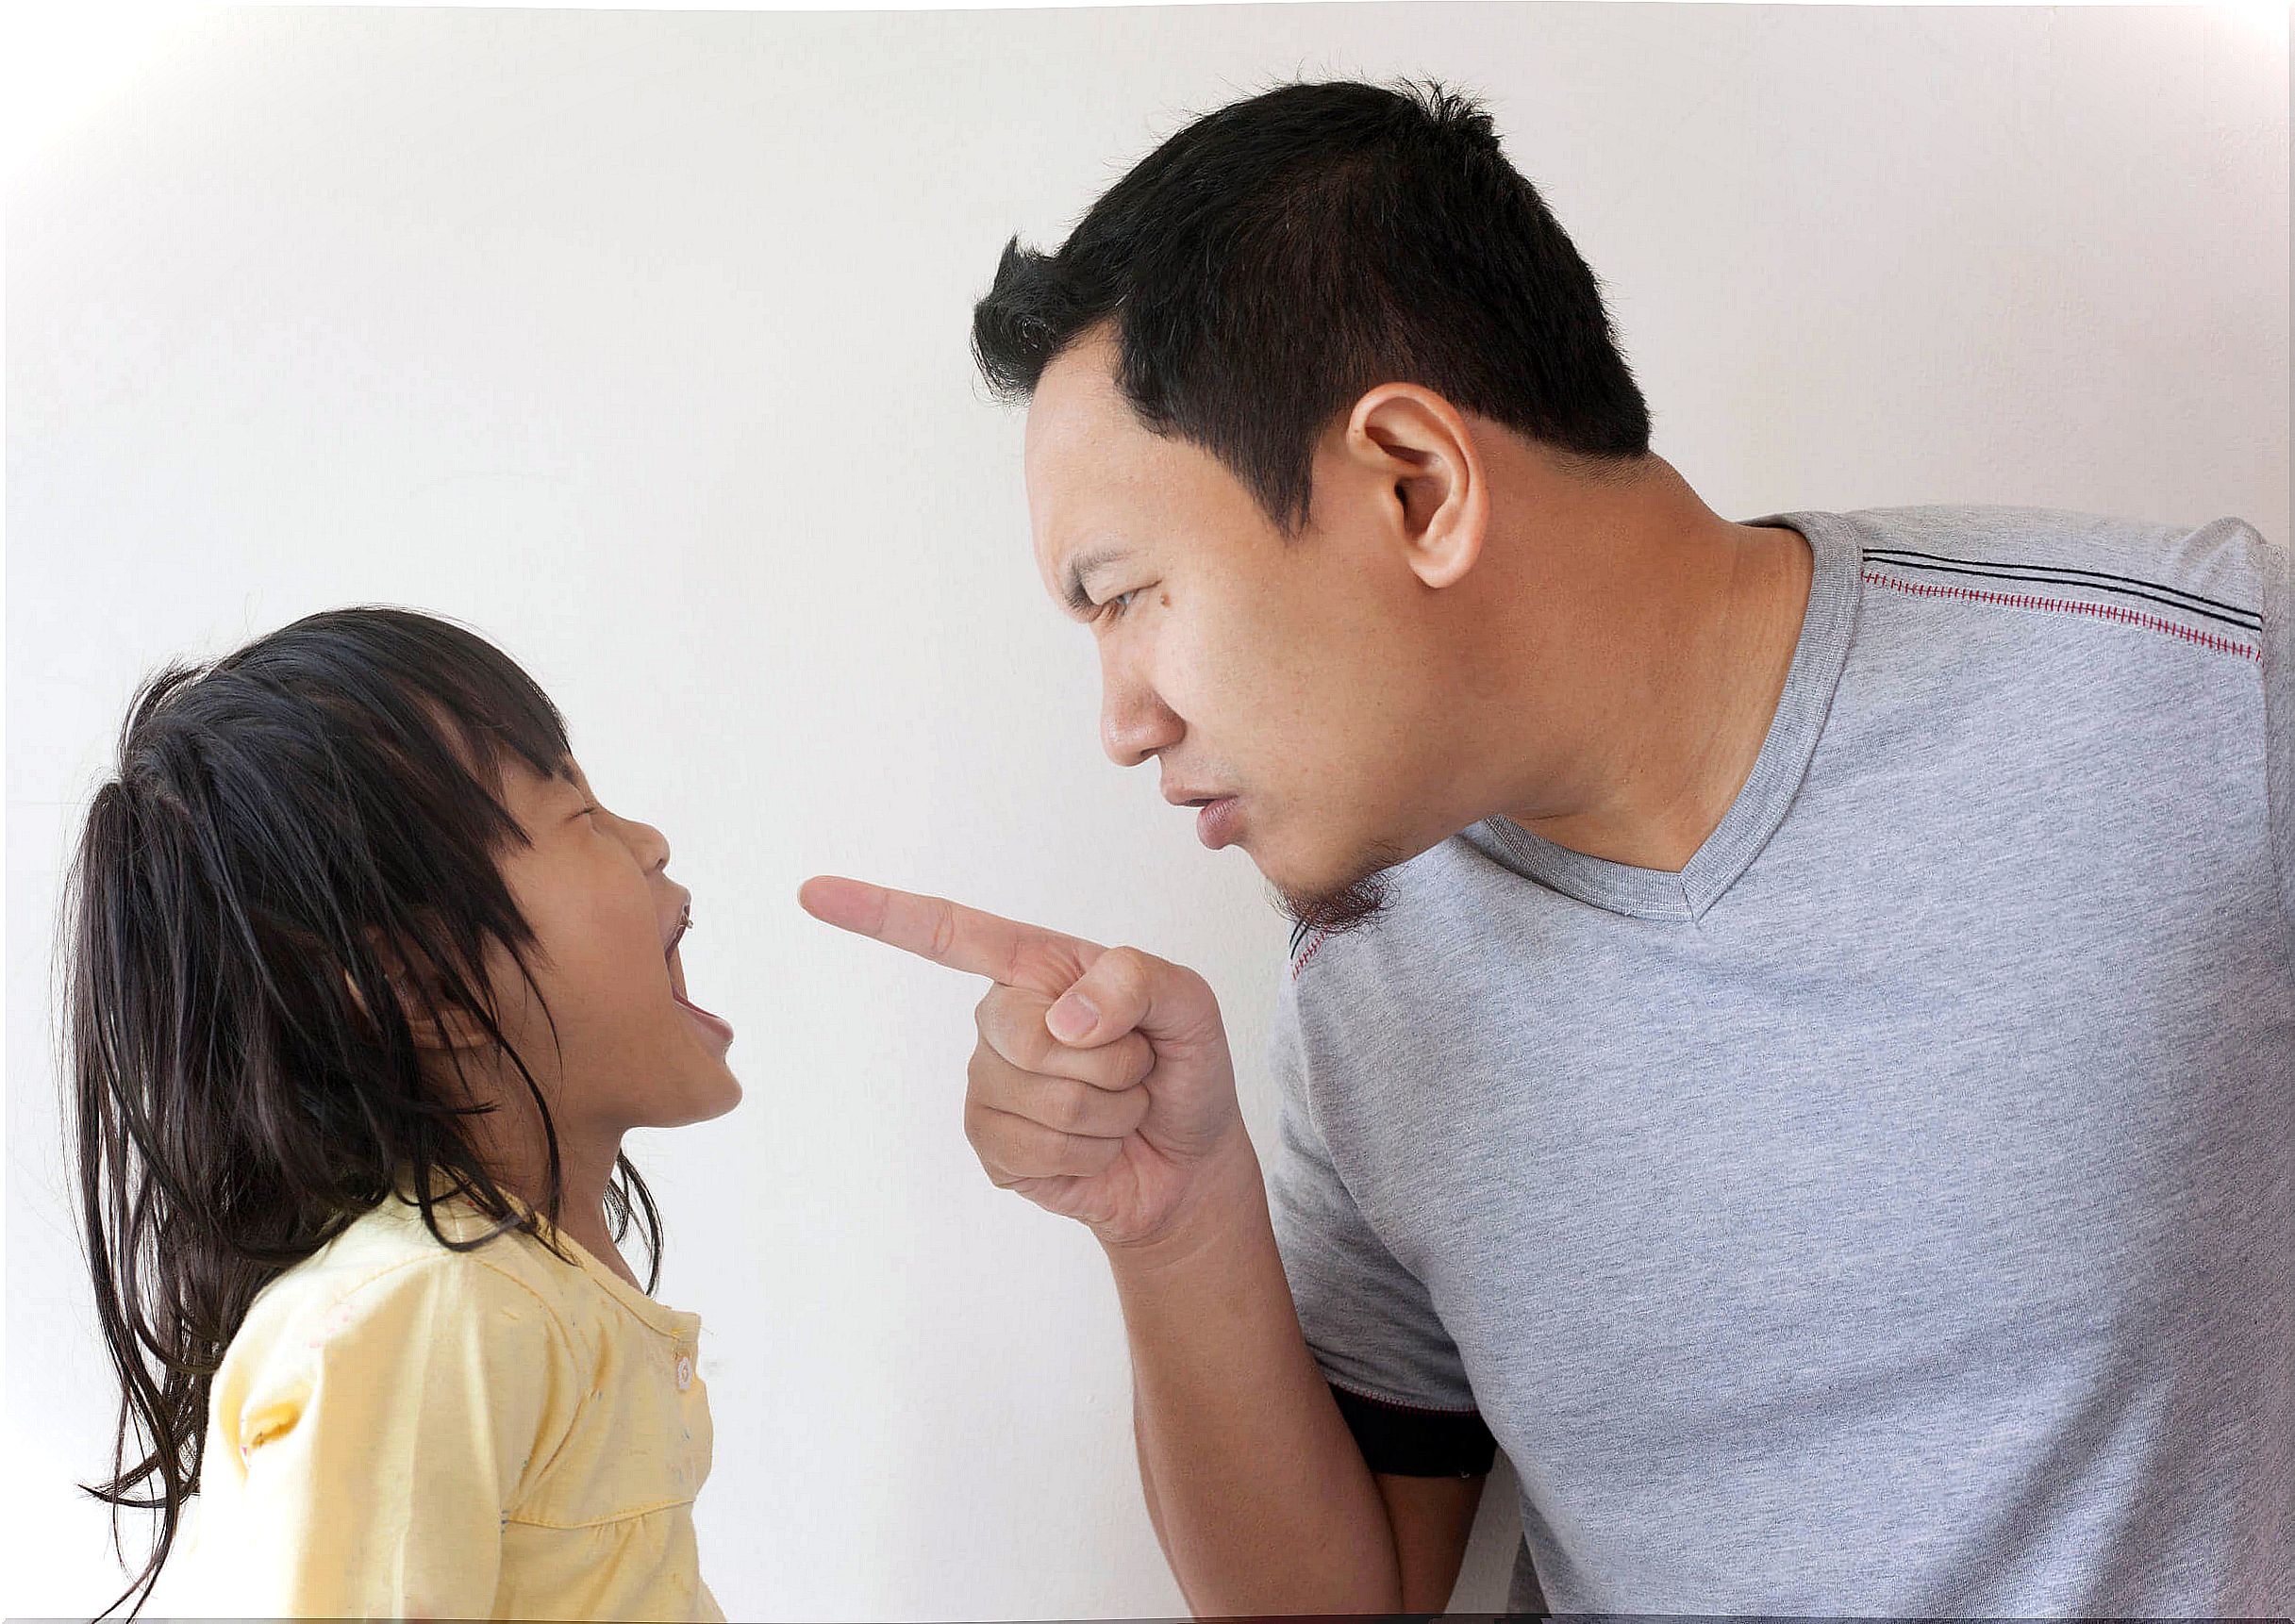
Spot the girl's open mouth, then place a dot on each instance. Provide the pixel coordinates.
(715, 1025)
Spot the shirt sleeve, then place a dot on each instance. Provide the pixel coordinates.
(380, 1440)
(1368, 1321)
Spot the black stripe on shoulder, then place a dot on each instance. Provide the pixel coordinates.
(2064, 576)
(1298, 938)
(1415, 1443)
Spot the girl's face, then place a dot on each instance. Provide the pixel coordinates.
(628, 1051)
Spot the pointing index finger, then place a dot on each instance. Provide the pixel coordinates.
(949, 933)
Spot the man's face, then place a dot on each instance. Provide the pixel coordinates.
(1303, 678)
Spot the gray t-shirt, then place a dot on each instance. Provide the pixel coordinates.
(1893, 1212)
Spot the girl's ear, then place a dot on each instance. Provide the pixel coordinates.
(436, 1020)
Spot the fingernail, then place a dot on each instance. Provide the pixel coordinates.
(1072, 1016)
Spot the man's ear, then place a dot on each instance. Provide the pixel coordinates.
(435, 1020)
(1424, 449)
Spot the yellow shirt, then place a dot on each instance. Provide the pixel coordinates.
(403, 1429)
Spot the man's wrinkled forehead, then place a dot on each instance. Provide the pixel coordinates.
(1082, 468)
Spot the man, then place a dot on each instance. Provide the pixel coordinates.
(1791, 1028)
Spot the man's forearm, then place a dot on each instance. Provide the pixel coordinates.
(1257, 1489)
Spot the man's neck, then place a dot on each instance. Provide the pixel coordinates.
(1685, 627)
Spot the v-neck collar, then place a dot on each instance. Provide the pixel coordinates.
(1826, 626)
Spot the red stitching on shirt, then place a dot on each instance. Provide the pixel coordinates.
(2102, 611)
(1301, 963)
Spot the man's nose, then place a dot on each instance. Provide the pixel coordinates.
(1134, 723)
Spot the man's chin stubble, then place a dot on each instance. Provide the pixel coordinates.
(1344, 908)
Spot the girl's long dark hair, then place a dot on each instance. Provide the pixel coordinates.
(285, 824)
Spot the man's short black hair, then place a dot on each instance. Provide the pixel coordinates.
(1273, 261)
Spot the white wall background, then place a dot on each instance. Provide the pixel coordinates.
(638, 341)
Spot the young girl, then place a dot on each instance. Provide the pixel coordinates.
(364, 986)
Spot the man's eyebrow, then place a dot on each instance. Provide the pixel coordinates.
(1083, 564)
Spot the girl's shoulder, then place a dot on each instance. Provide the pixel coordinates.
(389, 1264)
(455, 1263)
(387, 1351)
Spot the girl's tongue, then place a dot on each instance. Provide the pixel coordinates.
(715, 1023)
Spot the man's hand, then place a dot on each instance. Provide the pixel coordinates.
(1100, 1088)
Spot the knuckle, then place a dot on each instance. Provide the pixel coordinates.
(1066, 1107)
(1107, 1070)
(996, 1044)
(1034, 1047)
(1121, 974)
(994, 1085)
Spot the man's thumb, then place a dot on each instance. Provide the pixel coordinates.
(1124, 989)
(1073, 1018)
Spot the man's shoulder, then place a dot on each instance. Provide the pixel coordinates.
(2212, 574)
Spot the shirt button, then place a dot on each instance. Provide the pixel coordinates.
(685, 1371)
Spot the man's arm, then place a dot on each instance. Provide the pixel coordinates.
(1257, 1488)
(1433, 1519)
(1126, 1120)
